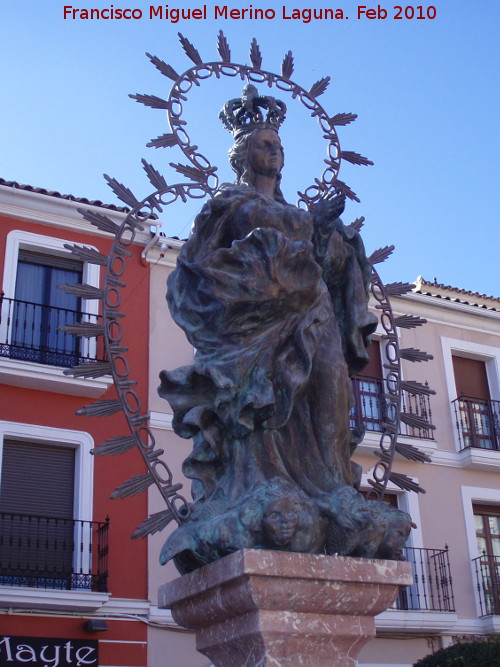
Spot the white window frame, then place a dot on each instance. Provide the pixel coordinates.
(475, 495)
(20, 239)
(408, 501)
(82, 442)
(372, 438)
(40, 599)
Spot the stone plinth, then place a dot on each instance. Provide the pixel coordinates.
(262, 608)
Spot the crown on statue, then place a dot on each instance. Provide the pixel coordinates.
(252, 111)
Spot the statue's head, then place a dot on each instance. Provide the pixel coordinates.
(255, 152)
(281, 521)
(280, 516)
(254, 120)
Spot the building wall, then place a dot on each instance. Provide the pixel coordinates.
(456, 476)
(443, 513)
(168, 349)
(39, 404)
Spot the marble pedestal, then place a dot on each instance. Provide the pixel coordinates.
(260, 608)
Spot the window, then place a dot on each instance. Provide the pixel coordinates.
(470, 377)
(47, 537)
(33, 308)
(368, 390)
(487, 522)
(36, 514)
(40, 308)
(369, 406)
(432, 588)
(476, 439)
(477, 416)
(481, 508)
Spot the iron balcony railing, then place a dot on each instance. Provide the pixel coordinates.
(487, 571)
(47, 552)
(369, 407)
(432, 588)
(478, 422)
(31, 332)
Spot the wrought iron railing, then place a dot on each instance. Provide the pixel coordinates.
(32, 332)
(487, 570)
(369, 407)
(432, 588)
(478, 422)
(47, 552)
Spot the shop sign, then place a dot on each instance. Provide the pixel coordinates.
(47, 652)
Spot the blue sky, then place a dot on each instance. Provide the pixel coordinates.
(425, 91)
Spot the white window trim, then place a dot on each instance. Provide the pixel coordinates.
(372, 438)
(81, 441)
(14, 597)
(470, 495)
(23, 373)
(408, 501)
(463, 348)
(18, 239)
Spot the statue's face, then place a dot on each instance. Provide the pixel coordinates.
(394, 541)
(266, 153)
(280, 522)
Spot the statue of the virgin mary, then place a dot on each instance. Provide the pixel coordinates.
(274, 300)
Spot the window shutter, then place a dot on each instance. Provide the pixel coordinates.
(374, 366)
(36, 515)
(37, 479)
(470, 377)
(488, 510)
(66, 261)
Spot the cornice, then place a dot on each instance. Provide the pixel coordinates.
(439, 303)
(33, 375)
(58, 212)
(24, 598)
(161, 420)
(164, 252)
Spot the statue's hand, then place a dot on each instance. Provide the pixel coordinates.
(329, 209)
(336, 205)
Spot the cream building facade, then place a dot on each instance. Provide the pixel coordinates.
(455, 549)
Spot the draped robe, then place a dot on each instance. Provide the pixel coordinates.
(274, 301)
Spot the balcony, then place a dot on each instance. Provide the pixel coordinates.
(51, 553)
(478, 423)
(428, 606)
(369, 407)
(30, 332)
(487, 572)
(432, 588)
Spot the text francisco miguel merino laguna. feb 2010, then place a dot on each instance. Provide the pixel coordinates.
(225, 12)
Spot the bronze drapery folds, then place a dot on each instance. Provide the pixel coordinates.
(274, 300)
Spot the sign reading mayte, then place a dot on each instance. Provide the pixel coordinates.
(47, 652)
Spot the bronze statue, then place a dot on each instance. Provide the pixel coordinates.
(274, 300)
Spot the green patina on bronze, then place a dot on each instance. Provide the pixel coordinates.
(274, 300)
